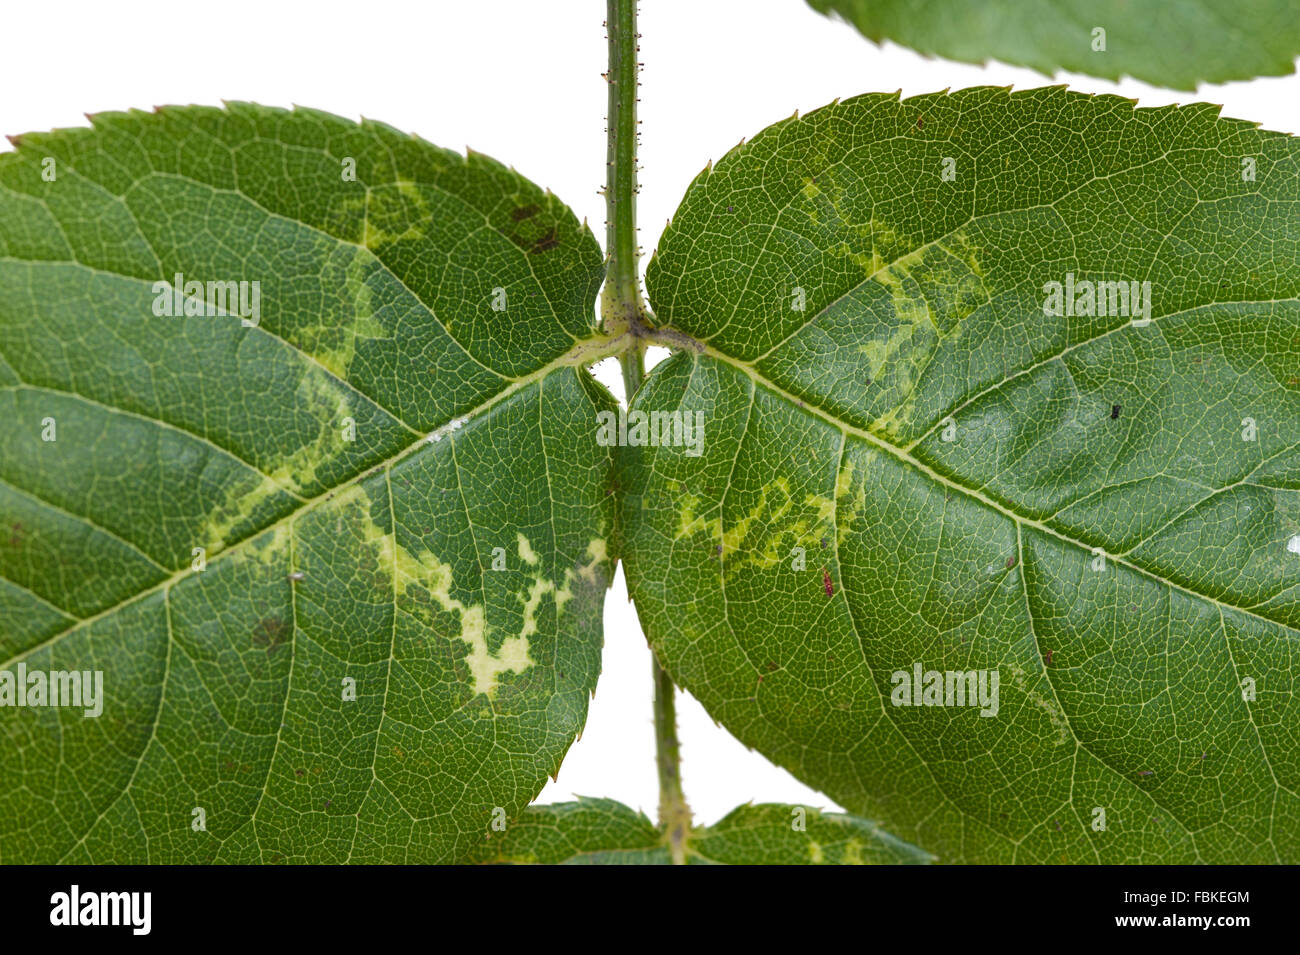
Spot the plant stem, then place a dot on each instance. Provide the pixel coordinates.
(624, 311)
(621, 304)
(674, 813)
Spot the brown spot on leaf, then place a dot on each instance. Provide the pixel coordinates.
(546, 242)
(270, 633)
(525, 212)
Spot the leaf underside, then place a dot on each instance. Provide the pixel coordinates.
(1074, 502)
(328, 560)
(605, 832)
(1174, 43)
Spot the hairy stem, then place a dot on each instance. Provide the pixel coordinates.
(621, 304)
(623, 313)
(674, 813)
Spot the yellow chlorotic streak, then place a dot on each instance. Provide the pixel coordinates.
(852, 853)
(394, 204)
(526, 552)
(333, 341)
(787, 523)
(414, 573)
(589, 573)
(327, 403)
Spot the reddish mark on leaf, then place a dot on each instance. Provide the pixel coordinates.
(1146, 772)
(1011, 561)
(1047, 658)
(826, 583)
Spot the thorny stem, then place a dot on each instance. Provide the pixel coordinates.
(623, 312)
(674, 814)
(621, 304)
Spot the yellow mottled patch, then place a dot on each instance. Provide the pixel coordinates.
(241, 501)
(815, 854)
(540, 588)
(844, 480)
(386, 208)
(788, 524)
(597, 554)
(526, 552)
(333, 342)
(326, 401)
(852, 853)
(269, 547)
(425, 571)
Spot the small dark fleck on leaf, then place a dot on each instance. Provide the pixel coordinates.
(1114, 412)
(546, 242)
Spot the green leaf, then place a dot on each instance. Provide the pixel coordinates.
(1105, 513)
(772, 834)
(605, 832)
(1176, 43)
(451, 559)
(586, 832)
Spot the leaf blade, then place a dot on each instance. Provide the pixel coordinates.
(825, 433)
(327, 558)
(1191, 46)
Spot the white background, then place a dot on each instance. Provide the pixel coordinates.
(520, 80)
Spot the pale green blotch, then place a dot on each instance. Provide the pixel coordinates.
(324, 400)
(327, 401)
(332, 341)
(270, 546)
(852, 853)
(425, 571)
(789, 524)
(241, 502)
(590, 573)
(949, 276)
(526, 552)
(383, 204)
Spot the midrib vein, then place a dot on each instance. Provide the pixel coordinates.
(906, 458)
(582, 353)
